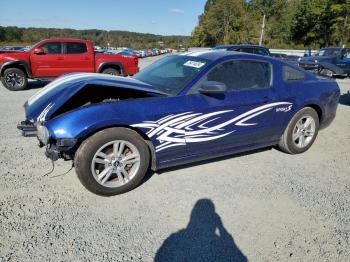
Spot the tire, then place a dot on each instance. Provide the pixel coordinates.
(97, 161)
(14, 79)
(111, 71)
(293, 144)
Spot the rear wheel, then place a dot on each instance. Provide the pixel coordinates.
(111, 71)
(14, 79)
(113, 161)
(301, 132)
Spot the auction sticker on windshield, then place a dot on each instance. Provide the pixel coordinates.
(194, 64)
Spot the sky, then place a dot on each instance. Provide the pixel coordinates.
(165, 17)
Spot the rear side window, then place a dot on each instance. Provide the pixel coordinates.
(291, 74)
(242, 74)
(246, 50)
(260, 51)
(76, 48)
(52, 48)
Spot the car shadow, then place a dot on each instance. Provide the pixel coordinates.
(36, 84)
(204, 239)
(151, 173)
(345, 99)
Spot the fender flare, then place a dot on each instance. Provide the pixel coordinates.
(16, 63)
(106, 64)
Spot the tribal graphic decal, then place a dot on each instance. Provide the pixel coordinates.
(190, 127)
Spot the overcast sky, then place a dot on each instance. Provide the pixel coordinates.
(147, 16)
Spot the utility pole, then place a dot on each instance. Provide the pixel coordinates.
(262, 31)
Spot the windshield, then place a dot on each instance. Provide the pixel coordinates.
(329, 52)
(171, 74)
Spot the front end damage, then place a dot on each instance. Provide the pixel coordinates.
(27, 128)
(73, 93)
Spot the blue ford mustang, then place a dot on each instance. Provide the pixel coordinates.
(180, 109)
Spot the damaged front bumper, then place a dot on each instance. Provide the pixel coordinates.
(62, 148)
(28, 129)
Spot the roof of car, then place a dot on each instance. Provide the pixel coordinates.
(217, 54)
(243, 46)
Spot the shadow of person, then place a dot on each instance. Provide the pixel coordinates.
(204, 239)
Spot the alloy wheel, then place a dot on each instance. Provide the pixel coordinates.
(115, 163)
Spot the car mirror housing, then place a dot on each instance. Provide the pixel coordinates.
(212, 88)
(39, 51)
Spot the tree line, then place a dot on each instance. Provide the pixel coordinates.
(289, 23)
(30, 36)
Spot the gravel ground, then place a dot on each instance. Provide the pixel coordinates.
(262, 206)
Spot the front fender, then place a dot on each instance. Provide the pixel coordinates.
(16, 63)
(87, 120)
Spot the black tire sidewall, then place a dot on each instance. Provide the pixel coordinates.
(89, 147)
(111, 71)
(19, 72)
(302, 113)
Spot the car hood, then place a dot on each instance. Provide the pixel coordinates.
(48, 100)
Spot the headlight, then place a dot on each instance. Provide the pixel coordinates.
(43, 134)
(316, 61)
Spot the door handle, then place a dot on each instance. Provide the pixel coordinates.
(59, 58)
(265, 99)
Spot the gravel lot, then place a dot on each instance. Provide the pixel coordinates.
(262, 206)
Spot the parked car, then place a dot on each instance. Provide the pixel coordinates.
(279, 56)
(11, 48)
(331, 61)
(180, 109)
(54, 57)
(252, 49)
(293, 59)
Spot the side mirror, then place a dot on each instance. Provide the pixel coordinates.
(212, 88)
(39, 51)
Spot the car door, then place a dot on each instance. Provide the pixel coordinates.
(343, 61)
(241, 117)
(77, 58)
(49, 64)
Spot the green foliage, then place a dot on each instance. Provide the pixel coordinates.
(289, 23)
(30, 36)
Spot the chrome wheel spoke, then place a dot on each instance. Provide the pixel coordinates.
(125, 174)
(307, 123)
(301, 141)
(118, 148)
(296, 135)
(105, 174)
(131, 159)
(101, 161)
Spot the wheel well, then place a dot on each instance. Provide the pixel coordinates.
(143, 135)
(116, 67)
(317, 109)
(18, 66)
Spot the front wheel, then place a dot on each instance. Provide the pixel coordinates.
(14, 79)
(112, 161)
(301, 132)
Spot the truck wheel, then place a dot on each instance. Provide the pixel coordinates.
(111, 71)
(112, 161)
(14, 79)
(301, 132)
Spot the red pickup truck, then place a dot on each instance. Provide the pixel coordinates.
(53, 57)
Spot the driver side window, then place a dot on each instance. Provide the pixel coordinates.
(52, 48)
(240, 75)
